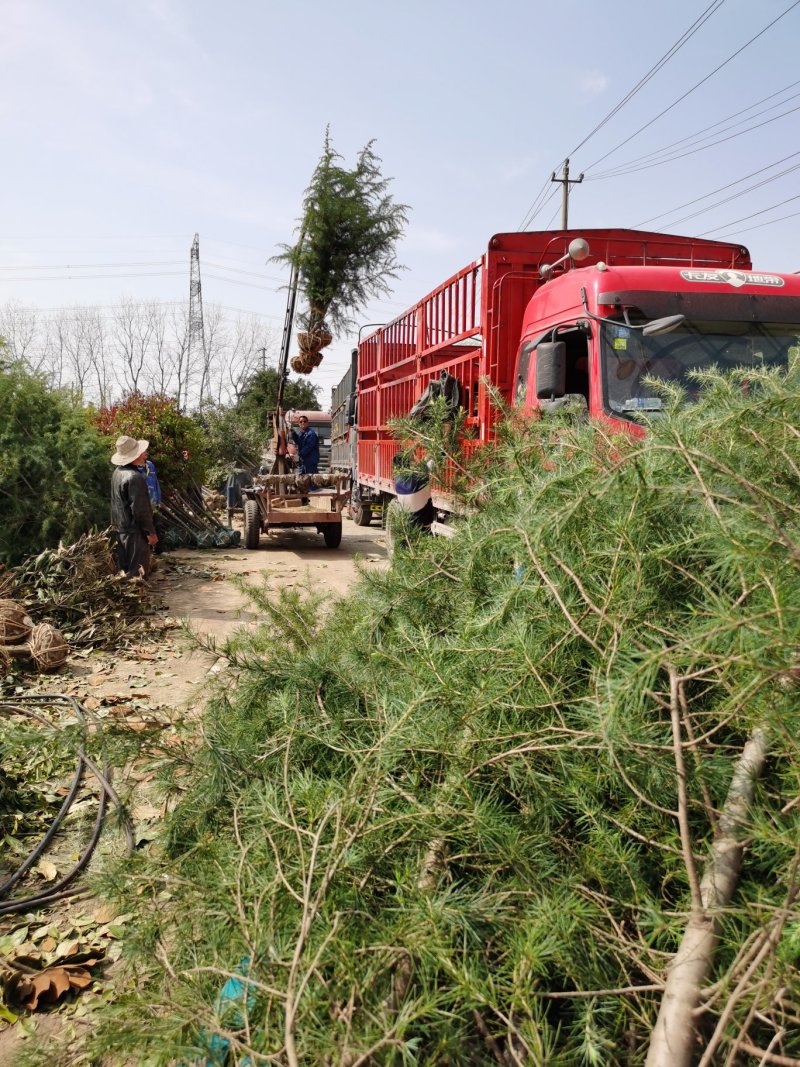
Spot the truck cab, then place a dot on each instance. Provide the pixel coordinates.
(607, 335)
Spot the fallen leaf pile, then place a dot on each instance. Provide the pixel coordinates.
(39, 968)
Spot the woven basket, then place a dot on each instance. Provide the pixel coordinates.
(15, 625)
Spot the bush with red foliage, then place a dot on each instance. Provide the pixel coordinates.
(177, 445)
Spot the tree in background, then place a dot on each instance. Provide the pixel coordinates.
(54, 467)
(177, 445)
(139, 347)
(233, 440)
(261, 397)
(346, 251)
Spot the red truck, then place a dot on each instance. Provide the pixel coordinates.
(556, 315)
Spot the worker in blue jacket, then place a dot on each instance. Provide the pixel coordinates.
(307, 444)
(153, 488)
(148, 470)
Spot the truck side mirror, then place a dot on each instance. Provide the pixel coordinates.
(351, 409)
(551, 370)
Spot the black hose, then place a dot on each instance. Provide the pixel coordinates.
(33, 856)
(107, 792)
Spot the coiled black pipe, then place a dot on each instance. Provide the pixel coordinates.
(107, 792)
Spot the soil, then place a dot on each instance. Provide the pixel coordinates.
(152, 685)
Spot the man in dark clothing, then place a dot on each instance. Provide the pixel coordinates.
(307, 444)
(131, 513)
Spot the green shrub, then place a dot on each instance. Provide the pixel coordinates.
(54, 468)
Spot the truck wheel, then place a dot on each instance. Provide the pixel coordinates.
(332, 532)
(252, 524)
(362, 515)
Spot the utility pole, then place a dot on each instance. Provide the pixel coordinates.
(196, 333)
(263, 352)
(565, 182)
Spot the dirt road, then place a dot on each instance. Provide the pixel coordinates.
(151, 687)
(196, 590)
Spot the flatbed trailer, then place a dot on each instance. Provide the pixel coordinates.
(293, 501)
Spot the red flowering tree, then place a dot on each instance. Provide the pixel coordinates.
(177, 446)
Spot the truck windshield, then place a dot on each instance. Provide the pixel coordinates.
(628, 357)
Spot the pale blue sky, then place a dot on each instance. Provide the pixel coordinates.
(128, 127)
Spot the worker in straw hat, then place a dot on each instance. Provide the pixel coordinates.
(131, 512)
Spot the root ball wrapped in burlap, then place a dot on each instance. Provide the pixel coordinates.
(313, 340)
(15, 624)
(47, 647)
(305, 362)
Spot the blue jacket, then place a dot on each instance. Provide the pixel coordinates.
(307, 444)
(150, 476)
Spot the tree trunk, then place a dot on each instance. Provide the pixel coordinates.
(674, 1038)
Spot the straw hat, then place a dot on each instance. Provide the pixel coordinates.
(128, 449)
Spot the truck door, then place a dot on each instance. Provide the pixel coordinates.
(576, 340)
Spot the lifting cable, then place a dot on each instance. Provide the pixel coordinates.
(107, 793)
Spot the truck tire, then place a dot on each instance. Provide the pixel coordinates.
(332, 532)
(362, 514)
(252, 524)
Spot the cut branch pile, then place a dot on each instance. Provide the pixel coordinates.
(75, 589)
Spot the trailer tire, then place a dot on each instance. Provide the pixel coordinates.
(332, 532)
(252, 524)
(362, 514)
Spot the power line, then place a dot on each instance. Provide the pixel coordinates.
(619, 172)
(97, 236)
(760, 225)
(93, 266)
(93, 277)
(682, 40)
(535, 207)
(754, 215)
(648, 156)
(142, 303)
(540, 200)
(543, 205)
(237, 281)
(696, 85)
(252, 273)
(719, 203)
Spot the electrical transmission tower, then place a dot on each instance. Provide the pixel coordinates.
(196, 339)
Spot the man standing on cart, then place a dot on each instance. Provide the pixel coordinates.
(307, 444)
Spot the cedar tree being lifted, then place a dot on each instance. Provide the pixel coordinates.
(345, 253)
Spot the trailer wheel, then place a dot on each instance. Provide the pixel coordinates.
(252, 524)
(362, 514)
(332, 532)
